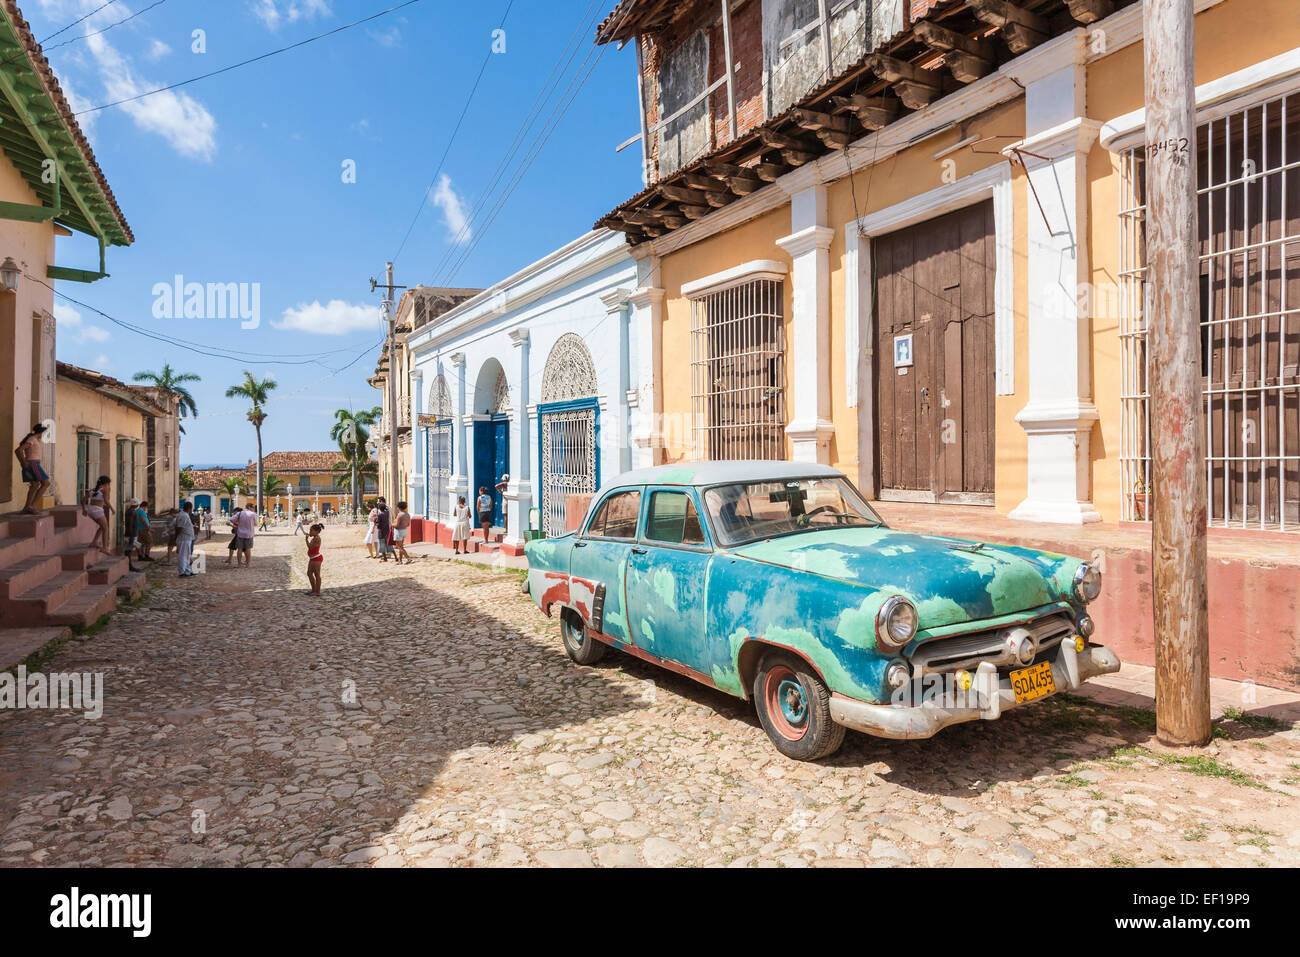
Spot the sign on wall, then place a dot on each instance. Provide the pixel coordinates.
(903, 353)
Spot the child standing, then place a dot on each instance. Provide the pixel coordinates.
(314, 558)
(460, 530)
(485, 511)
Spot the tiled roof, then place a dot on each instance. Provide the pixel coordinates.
(290, 462)
(115, 229)
(115, 389)
(212, 478)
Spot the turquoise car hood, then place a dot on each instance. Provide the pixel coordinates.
(949, 580)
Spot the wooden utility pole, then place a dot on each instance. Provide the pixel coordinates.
(1178, 547)
(390, 315)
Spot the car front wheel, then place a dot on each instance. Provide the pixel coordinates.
(794, 708)
(578, 641)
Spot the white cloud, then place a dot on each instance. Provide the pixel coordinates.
(70, 325)
(387, 38)
(446, 198)
(276, 13)
(335, 318)
(177, 117)
(101, 362)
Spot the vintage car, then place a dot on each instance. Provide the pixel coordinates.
(777, 582)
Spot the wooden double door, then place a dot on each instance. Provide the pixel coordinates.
(935, 359)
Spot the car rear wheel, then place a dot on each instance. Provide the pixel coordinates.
(794, 708)
(578, 642)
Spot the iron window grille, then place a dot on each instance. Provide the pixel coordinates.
(738, 371)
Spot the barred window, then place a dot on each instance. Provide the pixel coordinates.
(1248, 224)
(738, 371)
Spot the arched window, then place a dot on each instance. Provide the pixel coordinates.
(570, 372)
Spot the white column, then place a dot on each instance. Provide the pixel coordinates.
(416, 480)
(518, 496)
(808, 245)
(646, 317)
(615, 428)
(1059, 416)
(458, 483)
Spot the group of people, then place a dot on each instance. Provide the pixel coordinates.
(386, 533)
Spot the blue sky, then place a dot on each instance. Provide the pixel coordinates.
(240, 178)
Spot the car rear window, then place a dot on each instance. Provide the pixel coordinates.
(617, 516)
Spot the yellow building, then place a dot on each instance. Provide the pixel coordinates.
(917, 257)
(307, 482)
(108, 424)
(50, 185)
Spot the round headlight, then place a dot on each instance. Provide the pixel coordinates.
(1087, 583)
(897, 675)
(896, 623)
(1086, 626)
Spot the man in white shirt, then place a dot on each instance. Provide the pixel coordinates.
(245, 529)
(184, 526)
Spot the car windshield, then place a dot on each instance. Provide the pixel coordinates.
(748, 511)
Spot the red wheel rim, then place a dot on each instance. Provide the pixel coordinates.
(786, 703)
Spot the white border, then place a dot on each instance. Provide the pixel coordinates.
(735, 276)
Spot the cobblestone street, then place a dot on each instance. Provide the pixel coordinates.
(229, 737)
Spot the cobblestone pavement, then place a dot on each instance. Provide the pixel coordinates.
(229, 737)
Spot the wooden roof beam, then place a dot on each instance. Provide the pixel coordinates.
(966, 58)
(783, 141)
(1090, 11)
(916, 88)
(696, 197)
(1021, 29)
(873, 112)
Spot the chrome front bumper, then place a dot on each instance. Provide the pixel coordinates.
(1070, 669)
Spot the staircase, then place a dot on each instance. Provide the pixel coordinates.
(491, 546)
(50, 581)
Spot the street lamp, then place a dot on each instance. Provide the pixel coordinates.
(289, 488)
(9, 273)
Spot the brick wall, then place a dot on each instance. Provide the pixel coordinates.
(746, 51)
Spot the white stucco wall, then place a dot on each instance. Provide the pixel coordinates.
(581, 288)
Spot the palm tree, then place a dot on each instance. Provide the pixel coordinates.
(349, 431)
(255, 392)
(272, 485)
(170, 381)
(232, 487)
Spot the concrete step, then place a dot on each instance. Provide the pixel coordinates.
(107, 571)
(27, 573)
(19, 644)
(67, 516)
(40, 525)
(32, 605)
(80, 558)
(85, 607)
(132, 585)
(15, 548)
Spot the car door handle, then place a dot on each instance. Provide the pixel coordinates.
(636, 550)
(579, 544)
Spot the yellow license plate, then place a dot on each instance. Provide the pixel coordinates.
(1029, 684)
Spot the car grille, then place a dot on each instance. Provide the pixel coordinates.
(967, 651)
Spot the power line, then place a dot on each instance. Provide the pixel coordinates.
(83, 19)
(424, 197)
(551, 82)
(558, 111)
(214, 352)
(241, 63)
(116, 23)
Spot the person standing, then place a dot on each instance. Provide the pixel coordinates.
(130, 537)
(95, 506)
(143, 536)
(207, 523)
(245, 529)
(383, 527)
(315, 560)
(501, 487)
(29, 458)
(400, 527)
(233, 524)
(184, 526)
(372, 533)
(485, 511)
(460, 528)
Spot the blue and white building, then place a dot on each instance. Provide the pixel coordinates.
(534, 378)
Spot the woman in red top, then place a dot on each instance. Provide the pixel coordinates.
(314, 558)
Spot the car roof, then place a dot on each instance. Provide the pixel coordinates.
(713, 473)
